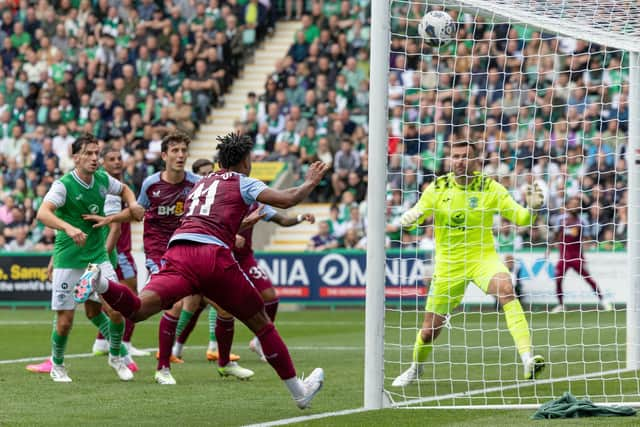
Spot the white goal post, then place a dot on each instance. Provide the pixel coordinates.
(613, 24)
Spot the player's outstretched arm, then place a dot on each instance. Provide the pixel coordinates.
(511, 210)
(135, 209)
(124, 215)
(290, 197)
(289, 221)
(421, 210)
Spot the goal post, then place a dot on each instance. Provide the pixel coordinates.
(633, 245)
(474, 363)
(374, 307)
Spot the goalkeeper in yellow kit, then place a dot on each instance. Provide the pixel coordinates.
(463, 204)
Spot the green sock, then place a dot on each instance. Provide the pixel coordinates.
(115, 332)
(212, 324)
(184, 318)
(58, 345)
(421, 350)
(102, 323)
(518, 326)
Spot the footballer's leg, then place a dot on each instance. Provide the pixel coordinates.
(431, 326)
(581, 269)
(263, 284)
(192, 306)
(561, 269)
(445, 294)
(236, 294)
(220, 329)
(163, 290)
(115, 325)
(62, 303)
(501, 287)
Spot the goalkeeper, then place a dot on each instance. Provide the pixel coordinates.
(463, 204)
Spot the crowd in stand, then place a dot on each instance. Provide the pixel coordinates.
(540, 108)
(128, 71)
(543, 108)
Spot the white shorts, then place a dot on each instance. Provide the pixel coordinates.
(65, 279)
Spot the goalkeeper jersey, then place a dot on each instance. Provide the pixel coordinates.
(463, 215)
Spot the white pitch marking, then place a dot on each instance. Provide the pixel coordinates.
(85, 355)
(304, 418)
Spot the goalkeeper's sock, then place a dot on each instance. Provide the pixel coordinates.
(58, 346)
(116, 330)
(518, 327)
(421, 350)
(185, 317)
(101, 321)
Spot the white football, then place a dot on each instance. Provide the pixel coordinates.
(437, 28)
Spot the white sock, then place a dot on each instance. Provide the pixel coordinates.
(525, 357)
(213, 345)
(295, 386)
(102, 285)
(177, 349)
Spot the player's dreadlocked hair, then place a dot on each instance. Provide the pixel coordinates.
(232, 148)
(82, 141)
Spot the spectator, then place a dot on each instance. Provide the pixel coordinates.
(20, 243)
(323, 240)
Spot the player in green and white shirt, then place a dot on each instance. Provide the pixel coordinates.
(80, 192)
(463, 204)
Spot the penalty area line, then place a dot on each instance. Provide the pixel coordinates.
(303, 418)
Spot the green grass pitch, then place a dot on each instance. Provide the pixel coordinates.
(331, 339)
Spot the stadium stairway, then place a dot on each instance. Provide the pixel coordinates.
(252, 78)
(222, 120)
(296, 238)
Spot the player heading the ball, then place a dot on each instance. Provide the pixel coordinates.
(200, 259)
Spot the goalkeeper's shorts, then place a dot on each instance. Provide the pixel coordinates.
(451, 279)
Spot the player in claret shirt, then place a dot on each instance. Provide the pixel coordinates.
(200, 258)
(569, 237)
(463, 204)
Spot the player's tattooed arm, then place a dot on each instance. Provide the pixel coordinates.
(289, 221)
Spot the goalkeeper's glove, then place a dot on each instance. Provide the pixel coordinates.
(534, 196)
(409, 218)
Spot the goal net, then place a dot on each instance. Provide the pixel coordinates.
(543, 90)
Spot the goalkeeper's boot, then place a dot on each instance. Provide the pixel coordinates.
(409, 376)
(533, 367)
(232, 369)
(312, 385)
(163, 377)
(87, 283)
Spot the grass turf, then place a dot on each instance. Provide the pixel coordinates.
(331, 339)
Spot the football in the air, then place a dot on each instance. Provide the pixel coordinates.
(437, 28)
